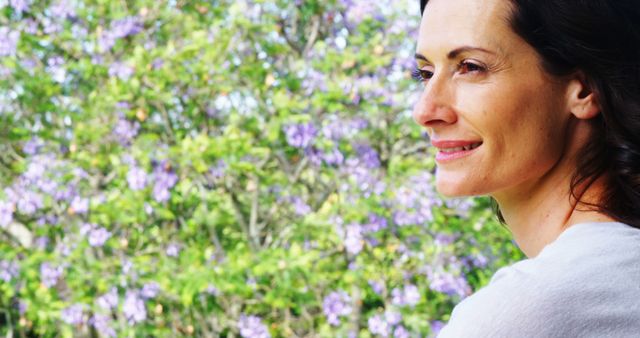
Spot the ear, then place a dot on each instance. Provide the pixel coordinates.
(583, 102)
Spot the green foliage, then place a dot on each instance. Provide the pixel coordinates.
(172, 168)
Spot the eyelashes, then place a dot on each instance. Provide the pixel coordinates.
(470, 67)
(464, 67)
(421, 75)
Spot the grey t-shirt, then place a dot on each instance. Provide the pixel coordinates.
(584, 284)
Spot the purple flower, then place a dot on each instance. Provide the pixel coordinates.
(365, 179)
(32, 146)
(60, 195)
(377, 287)
(134, 308)
(98, 236)
(148, 209)
(314, 155)
(62, 9)
(125, 27)
(97, 59)
(252, 327)
(479, 260)
(333, 157)
(414, 201)
(436, 327)
(29, 26)
(35, 171)
(300, 207)
(42, 242)
(5, 72)
(29, 202)
(49, 275)
(109, 300)
(449, 284)
(164, 180)
(106, 41)
(73, 314)
(336, 305)
(150, 290)
(376, 223)
(50, 26)
(9, 270)
(125, 131)
(157, 63)
(121, 70)
(393, 318)
(409, 295)
(22, 307)
(400, 332)
(79, 32)
(102, 324)
(378, 326)
(64, 249)
(404, 218)
(368, 156)
(339, 129)
(6, 213)
(300, 135)
(218, 170)
(119, 29)
(314, 81)
(212, 290)
(442, 239)
(137, 178)
(462, 206)
(173, 250)
(335, 130)
(80, 205)
(353, 239)
(20, 6)
(55, 68)
(86, 228)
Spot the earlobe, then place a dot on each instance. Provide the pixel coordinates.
(583, 101)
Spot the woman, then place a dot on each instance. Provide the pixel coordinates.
(537, 104)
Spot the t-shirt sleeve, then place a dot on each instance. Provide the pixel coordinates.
(512, 305)
(586, 284)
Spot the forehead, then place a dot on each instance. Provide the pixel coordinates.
(472, 22)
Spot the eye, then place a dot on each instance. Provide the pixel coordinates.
(421, 75)
(470, 67)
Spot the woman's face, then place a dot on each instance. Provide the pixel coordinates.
(498, 120)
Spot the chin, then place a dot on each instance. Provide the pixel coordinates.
(456, 187)
(448, 191)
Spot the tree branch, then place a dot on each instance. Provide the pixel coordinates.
(20, 234)
(253, 218)
(315, 28)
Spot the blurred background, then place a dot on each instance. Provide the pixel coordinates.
(228, 168)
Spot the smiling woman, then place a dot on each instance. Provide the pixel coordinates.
(536, 105)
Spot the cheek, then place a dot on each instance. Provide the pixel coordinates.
(532, 140)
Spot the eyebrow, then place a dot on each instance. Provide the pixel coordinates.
(454, 53)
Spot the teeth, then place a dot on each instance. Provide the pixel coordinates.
(451, 150)
(464, 148)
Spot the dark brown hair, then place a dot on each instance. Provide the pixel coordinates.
(601, 39)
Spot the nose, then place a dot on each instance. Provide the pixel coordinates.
(434, 108)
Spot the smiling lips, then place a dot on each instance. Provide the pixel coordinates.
(453, 150)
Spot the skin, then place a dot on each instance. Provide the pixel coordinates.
(484, 83)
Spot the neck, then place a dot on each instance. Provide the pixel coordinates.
(538, 212)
